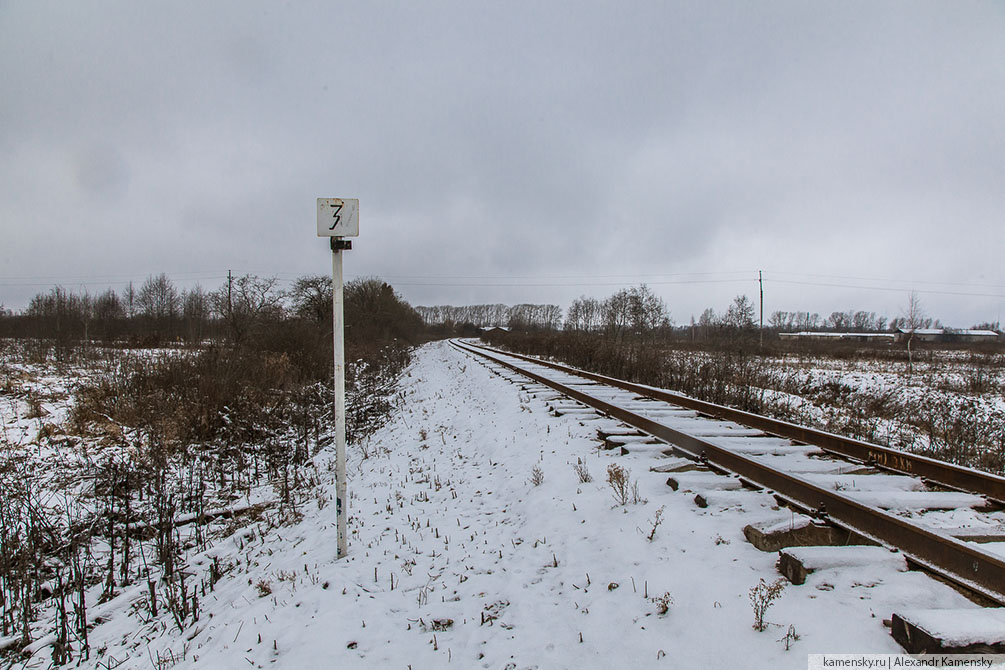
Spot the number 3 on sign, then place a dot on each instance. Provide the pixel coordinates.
(338, 217)
(335, 210)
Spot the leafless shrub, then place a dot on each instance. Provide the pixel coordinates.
(624, 490)
(761, 598)
(617, 479)
(584, 475)
(441, 624)
(663, 603)
(537, 475)
(790, 637)
(657, 520)
(979, 374)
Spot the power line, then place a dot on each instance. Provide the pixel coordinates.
(581, 276)
(897, 289)
(546, 281)
(910, 282)
(460, 281)
(566, 284)
(74, 278)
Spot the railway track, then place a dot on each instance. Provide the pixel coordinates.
(871, 494)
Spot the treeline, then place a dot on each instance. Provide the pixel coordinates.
(248, 336)
(157, 311)
(516, 316)
(637, 313)
(842, 322)
(244, 308)
(634, 311)
(638, 317)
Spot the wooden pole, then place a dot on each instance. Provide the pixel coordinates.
(760, 282)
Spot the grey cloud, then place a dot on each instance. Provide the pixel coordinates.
(518, 139)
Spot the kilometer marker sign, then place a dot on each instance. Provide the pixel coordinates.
(338, 217)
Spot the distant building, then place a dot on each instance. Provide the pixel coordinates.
(487, 330)
(940, 335)
(854, 337)
(948, 335)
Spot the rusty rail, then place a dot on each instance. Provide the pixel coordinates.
(954, 560)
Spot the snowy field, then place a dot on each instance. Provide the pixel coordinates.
(951, 406)
(458, 559)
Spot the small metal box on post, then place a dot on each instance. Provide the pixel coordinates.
(338, 218)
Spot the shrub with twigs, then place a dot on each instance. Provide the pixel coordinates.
(656, 522)
(622, 487)
(537, 475)
(761, 598)
(663, 603)
(584, 475)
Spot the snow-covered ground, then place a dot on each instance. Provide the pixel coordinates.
(952, 406)
(458, 559)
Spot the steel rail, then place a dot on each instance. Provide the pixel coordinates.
(947, 474)
(950, 558)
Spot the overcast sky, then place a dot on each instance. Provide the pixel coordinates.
(514, 151)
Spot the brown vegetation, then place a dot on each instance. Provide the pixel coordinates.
(179, 432)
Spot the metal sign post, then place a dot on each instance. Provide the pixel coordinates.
(338, 218)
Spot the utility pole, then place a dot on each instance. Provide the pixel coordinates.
(337, 219)
(760, 283)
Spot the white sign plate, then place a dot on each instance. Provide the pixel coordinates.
(338, 217)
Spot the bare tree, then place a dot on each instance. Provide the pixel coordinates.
(647, 311)
(551, 316)
(914, 319)
(583, 314)
(863, 321)
(779, 320)
(311, 299)
(129, 301)
(616, 314)
(838, 321)
(108, 307)
(740, 314)
(573, 315)
(195, 310)
(251, 301)
(706, 322)
(591, 314)
(807, 321)
(158, 298)
(60, 314)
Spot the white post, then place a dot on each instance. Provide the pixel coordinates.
(338, 321)
(338, 218)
